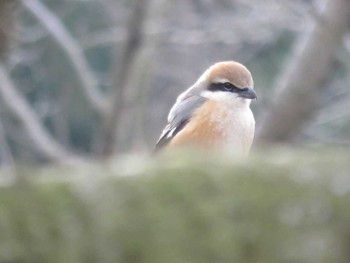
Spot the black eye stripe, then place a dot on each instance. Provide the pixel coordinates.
(227, 87)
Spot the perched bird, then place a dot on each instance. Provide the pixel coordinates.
(214, 113)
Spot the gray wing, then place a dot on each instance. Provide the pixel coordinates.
(179, 116)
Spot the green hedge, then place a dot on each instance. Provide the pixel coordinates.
(281, 207)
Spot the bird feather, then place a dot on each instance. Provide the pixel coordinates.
(179, 116)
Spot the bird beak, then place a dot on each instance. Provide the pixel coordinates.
(247, 93)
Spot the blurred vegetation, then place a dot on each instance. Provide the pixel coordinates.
(181, 208)
(7, 8)
(82, 81)
(99, 77)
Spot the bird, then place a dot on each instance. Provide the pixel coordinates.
(214, 113)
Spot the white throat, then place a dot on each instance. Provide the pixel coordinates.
(227, 98)
(233, 119)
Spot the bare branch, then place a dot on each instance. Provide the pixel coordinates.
(183, 37)
(42, 140)
(7, 8)
(300, 86)
(124, 67)
(338, 110)
(57, 30)
(133, 123)
(8, 172)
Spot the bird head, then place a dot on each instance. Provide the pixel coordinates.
(227, 81)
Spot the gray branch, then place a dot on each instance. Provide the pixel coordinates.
(19, 107)
(56, 29)
(134, 41)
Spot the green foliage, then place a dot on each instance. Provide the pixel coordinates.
(177, 208)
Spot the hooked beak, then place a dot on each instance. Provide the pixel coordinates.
(247, 93)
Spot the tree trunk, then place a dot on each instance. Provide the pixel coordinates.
(124, 67)
(6, 23)
(300, 86)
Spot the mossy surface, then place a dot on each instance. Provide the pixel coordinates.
(281, 207)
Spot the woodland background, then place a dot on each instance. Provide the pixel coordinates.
(95, 78)
(87, 82)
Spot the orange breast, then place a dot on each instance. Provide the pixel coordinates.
(201, 131)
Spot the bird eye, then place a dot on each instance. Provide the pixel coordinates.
(228, 86)
(223, 86)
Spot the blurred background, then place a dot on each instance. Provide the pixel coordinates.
(94, 78)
